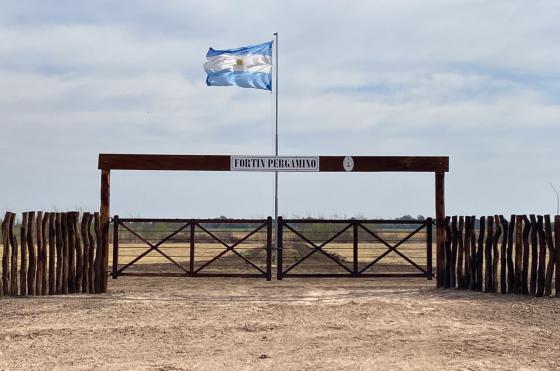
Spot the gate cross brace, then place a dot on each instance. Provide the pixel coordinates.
(230, 248)
(392, 248)
(318, 248)
(152, 247)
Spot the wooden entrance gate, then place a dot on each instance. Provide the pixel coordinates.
(355, 248)
(192, 247)
(437, 165)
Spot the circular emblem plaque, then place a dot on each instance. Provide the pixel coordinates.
(348, 163)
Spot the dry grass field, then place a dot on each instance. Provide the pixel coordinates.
(295, 324)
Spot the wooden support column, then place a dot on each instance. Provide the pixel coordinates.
(440, 233)
(104, 213)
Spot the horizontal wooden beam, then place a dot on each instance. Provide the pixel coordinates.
(223, 163)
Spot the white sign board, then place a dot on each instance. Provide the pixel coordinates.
(274, 163)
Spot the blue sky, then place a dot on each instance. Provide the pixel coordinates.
(475, 80)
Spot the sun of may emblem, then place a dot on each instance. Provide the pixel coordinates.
(239, 62)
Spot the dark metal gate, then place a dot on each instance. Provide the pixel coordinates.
(354, 248)
(192, 247)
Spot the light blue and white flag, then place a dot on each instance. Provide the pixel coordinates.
(246, 67)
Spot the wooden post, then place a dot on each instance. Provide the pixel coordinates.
(474, 255)
(6, 254)
(503, 254)
(447, 259)
(526, 253)
(86, 252)
(14, 259)
(43, 257)
(65, 251)
(440, 232)
(488, 277)
(59, 252)
(104, 213)
(496, 255)
(23, 256)
(52, 254)
(557, 252)
(534, 255)
(480, 255)
(467, 244)
(32, 271)
(454, 242)
(518, 254)
(78, 281)
(461, 253)
(98, 253)
(91, 288)
(551, 259)
(39, 237)
(542, 257)
(71, 252)
(510, 266)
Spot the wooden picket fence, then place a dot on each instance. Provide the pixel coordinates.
(56, 253)
(518, 256)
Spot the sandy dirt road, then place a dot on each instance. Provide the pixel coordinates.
(251, 324)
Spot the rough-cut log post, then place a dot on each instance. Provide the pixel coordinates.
(510, 267)
(59, 252)
(488, 283)
(71, 252)
(526, 255)
(542, 257)
(39, 272)
(534, 255)
(448, 257)
(85, 239)
(23, 256)
(91, 288)
(454, 242)
(104, 219)
(551, 257)
(496, 255)
(461, 253)
(474, 256)
(503, 254)
(518, 253)
(52, 254)
(6, 254)
(98, 253)
(14, 260)
(557, 252)
(467, 254)
(32, 271)
(480, 255)
(43, 258)
(65, 251)
(79, 253)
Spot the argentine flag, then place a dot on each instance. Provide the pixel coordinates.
(247, 67)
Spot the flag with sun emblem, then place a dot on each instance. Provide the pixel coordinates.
(246, 67)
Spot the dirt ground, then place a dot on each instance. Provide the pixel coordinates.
(249, 324)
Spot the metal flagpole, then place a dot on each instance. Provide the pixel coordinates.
(276, 147)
